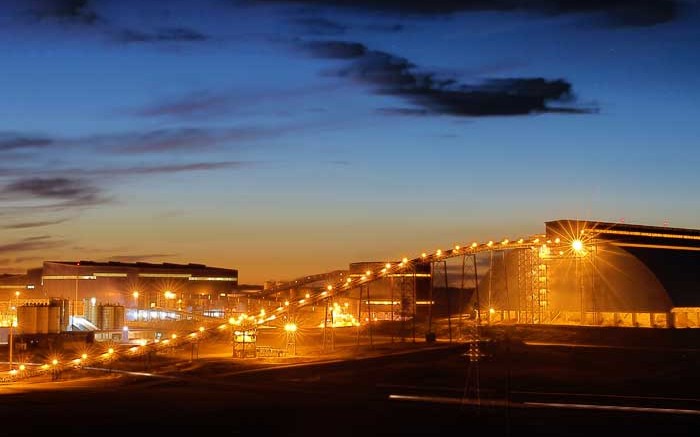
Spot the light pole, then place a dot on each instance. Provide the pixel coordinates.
(135, 294)
(75, 302)
(13, 324)
(291, 330)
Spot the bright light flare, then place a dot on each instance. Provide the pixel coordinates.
(577, 245)
(290, 327)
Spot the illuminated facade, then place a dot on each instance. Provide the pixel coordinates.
(599, 273)
(180, 287)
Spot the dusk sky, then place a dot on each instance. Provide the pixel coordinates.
(285, 138)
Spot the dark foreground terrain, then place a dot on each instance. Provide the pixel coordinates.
(526, 383)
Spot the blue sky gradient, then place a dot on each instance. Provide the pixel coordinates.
(288, 138)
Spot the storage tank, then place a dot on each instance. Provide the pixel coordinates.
(54, 319)
(26, 319)
(107, 316)
(119, 319)
(63, 313)
(91, 313)
(42, 319)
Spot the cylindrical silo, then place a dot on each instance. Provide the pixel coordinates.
(26, 319)
(42, 319)
(119, 319)
(107, 317)
(54, 319)
(63, 312)
(91, 313)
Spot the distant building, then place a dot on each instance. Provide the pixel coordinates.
(186, 287)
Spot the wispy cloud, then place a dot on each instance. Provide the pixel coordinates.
(171, 168)
(97, 172)
(619, 12)
(179, 139)
(65, 192)
(31, 244)
(208, 104)
(393, 75)
(191, 105)
(37, 224)
(50, 187)
(164, 140)
(162, 35)
(18, 141)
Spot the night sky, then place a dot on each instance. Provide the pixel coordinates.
(285, 138)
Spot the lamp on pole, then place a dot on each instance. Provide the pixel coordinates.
(75, 302)
(291, 330)
(13, 324)
(135, 295)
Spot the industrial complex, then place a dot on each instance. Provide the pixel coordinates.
(575, 273)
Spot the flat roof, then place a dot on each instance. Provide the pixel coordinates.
(587, 224)
(85, 263)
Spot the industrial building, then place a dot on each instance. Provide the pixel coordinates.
(598, 273)
(87, 295)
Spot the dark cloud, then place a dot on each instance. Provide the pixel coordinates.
(25, 225)
(32, 243)
(136, 258)
(77, 11)
(320, 26)
(169, 34)
(13, 141)
(620, 12)
(392, 75)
